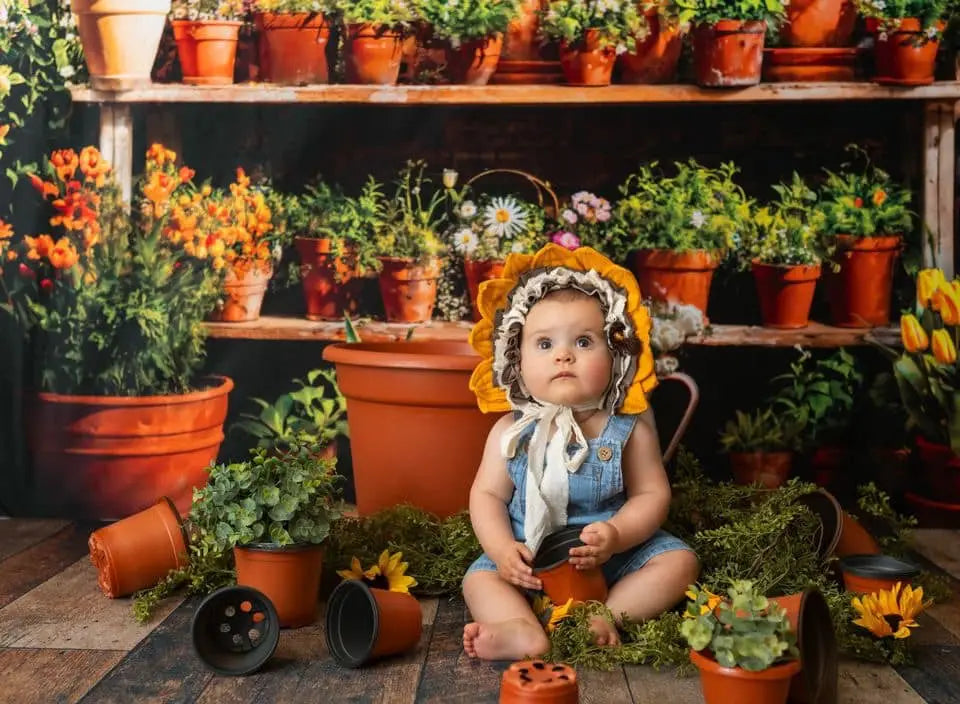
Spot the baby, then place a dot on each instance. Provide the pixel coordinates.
(569, 352)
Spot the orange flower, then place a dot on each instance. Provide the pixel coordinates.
(858, 202)
(946, 302)
(879, 196)
(158, 190)
(186, 174)
(6, 230)
(44, 188)
(159, 155)
(4, 130)
(63, 255)
(11, 255)
(913, 335)
(94, 167)
(38, 247)
(65, 163)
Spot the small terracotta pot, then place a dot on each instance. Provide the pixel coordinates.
(855, 539)
(905, 56)
(372, 56)
(331, 284)
(539, 682)
(827, 509)
(474, 61)
(288, 575)
(729, 53)
(364, 624)
(587, 63)
(771, 469)
(809, 616)
(207, 50)
(137, 552)
(243, 294)
(809, 64)
(408, 288)
(818, 23)
(521, 43)
(941, 471)
(561, 580)
(656, 56)
(734, 685)
(477, 271)
(295, 45)
(676, 277)
(786, 293)
(859, 293)
(865, 574)
(235, 631)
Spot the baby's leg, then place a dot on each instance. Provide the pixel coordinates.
(504, 627)
(655, 587)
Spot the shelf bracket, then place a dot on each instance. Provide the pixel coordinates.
(116, 143)
(939, 164)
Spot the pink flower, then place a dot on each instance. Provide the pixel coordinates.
(565, 239)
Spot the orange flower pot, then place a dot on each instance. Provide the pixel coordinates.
(854, 539)
(933, 514)
(734, 685)
(866, 574)
(729, 53)
(365, 624)
(809, 64)
(809, 617)
(539, 682)
(331, 284)
(818, 23)
(207, 50)
(586, 63)
(771, 469)
(107, 457)
(408, 288)
(416, 433)
(859, 293)
(786, 293)
(941, 470)
(656, 57)
(289, 576)
(372, 56)
(475, 61)
(561, 580)
(827, 509)
(904, 57)
(137, 552)
(676, 277)
(295, 45)
(521, 43)
(243, 294)
(476, 272)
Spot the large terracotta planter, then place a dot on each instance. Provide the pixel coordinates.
(408, 288)
(331, 284)
(416, 434)
(905, 56)
(243, 294)
(818, 23)
(476, 272)
(587, 63)
(295, 47)
(372, 56)
(106, 457)
(207, 50)
(729, 53)
(475, 61)
(809, 616)
(859, 293)
(941, 471)
(288, 575)
(785, 293)
(120, 39)
(676, 277)
(770, 469)
(734, 685)
(656, 56)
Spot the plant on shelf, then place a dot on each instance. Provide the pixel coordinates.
(467, 20)
(761, 430)
(710, 12)
(386, 15)
(292, 6)
(671, 325)
(584, 221)
(491, 227)
(785, 233)
(413, 216)
(887, 16)
(200, 10)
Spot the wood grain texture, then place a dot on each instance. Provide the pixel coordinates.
(651, 687)
(601, 687)
(941, 546)
(42, 676)
(935, 674)
(18, 534)
(869, 683)
(70, 611)
(36, 564)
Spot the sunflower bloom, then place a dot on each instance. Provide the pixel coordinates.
(889, 612)
(394, 572)
(558, 614)
(357, 572)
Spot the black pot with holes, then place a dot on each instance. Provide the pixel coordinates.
(235, 630)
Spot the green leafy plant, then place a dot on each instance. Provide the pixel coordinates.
(292, 6)
(760, 431)
(413, 217)
(491, 227)
(709, 12)
(467, 19)
(387, 15)
(888, 14)
(786, 232)
(746, 630)
(617, 23)
(208, 10)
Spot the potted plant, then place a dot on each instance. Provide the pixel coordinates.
(582, 221)
(206, 32)
(472, 32)
(761, 446)
(120, 39)
(867, 219)
(374, 35)
(657, 52)
(743, 646)
(116, 347)
(591, 34)
(906, 38)
(680, 227)
(814, 43)
(294, 36)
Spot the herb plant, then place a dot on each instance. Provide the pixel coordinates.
(709, 12)
(466, 20)
(413, 216)
(617, 24)
(386, 15)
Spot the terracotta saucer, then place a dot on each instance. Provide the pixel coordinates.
(809, 64)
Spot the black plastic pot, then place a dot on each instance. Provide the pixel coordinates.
(555, 548)
(869, 573)
(561, 580)
(235, 630)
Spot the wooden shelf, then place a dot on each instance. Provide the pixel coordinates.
(284, 328)
(512, 94)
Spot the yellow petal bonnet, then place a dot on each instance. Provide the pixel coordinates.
(504, 302)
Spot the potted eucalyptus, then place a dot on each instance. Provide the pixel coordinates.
(907, 35)
(373, 43)
(293, 40)
(206, 32)
(592, 33)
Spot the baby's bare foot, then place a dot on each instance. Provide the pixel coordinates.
(604, 632)
(505, 640)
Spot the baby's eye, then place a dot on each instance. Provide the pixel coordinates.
(543, 343)
(584, 342)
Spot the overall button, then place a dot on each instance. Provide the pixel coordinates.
(604, 454)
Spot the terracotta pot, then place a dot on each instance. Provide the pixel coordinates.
(295, 45)
(207, 50)
(810, 64)
(288, 575)
(520, 43)
(137, 552)
(476, 272)
(728, 53)
(941, 471)
(416, 434)
(855, 539)
(243, 294)
(866, 574)
(475, 61)
(331, 284)
(111, 456)
(656, 57)
(786, 293)
(827, 509)
(809, 616)
(586, 63)
(933, 514)
(539, 682)
(859, 293)
(676, 277)
(818, 23)
(771, 469)
(120, 39)
(408, 288)
(372, 57)
(235, 631)
(734, 685)
(561, 580)
(364, 624)
(904, 57)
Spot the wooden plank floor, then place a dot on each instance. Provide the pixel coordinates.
(61, 640)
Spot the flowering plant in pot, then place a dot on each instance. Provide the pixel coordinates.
(293, 40)
(591, 35)
(374, 33)
(583, 221)
(907, 35)
(206, 32)
(656, 55)
(867, 220)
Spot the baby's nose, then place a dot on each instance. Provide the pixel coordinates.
(564, 353)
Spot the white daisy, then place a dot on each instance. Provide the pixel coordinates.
(504, 217)
(468, 209)
(465, 240)
(697, 219)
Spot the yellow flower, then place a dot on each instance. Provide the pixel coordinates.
(946, 301)
(881, 611)
(357, 572)
(913, 335)
(943, 348)
(928, 281)
(558, 614)
(394, 572)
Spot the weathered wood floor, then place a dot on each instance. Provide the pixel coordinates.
(63, 641)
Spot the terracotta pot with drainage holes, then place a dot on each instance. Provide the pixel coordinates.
(235, 630)
(288, 575)
(561, 580)
(539, 682)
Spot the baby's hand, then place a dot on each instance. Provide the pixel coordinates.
(600, 539)
(513, 564)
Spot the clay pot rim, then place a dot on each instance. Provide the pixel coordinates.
(695, 259)
(926, 502)
(760, 452)
(427, 355)
(180, 522)
(274, 547)
(224, 387)
(342, 588)
(923, 443)
(827, 543)
(777, 671)
(226, 23)
(871, 243)
(878, 566)
(727, 26)
(757, 264)
(566, 537)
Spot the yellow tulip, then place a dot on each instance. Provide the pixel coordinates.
(943, 348)
(928, 280)
(946, 301)
(912, 333)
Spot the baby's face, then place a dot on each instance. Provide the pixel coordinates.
(564, 358)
